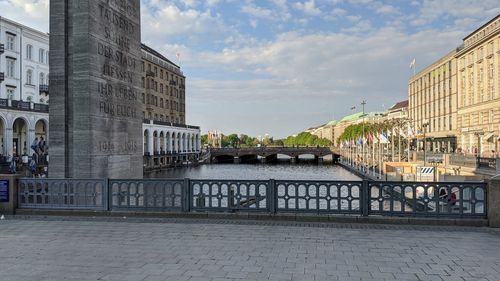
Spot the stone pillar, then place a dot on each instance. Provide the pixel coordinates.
(237, 160)
(494, 201)
(165, 143)
(158, 144)
(30, 136)
(95, 57)
(150, 143)
(8, 142)
(172, 143)
(9, 208)
(293, 160)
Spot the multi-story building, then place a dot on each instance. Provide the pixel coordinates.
(478, 88)
(433, 105)
(167, 138)
(398, 111)
(24, 98)
(325, 131)
(164, 97)
(356, 118)
(455, 102)
(24, 91)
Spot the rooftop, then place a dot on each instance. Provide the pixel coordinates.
(399, 105)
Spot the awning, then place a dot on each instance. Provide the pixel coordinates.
(488, 136)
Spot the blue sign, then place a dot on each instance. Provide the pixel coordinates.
(4, 191)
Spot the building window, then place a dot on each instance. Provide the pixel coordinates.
(10, 43)
(161, 88)
(29, 52)
(41, 55)
(143, 98)
(47, 57)
(11, 68)
(10, 93)
(42, 78)
(29, 77)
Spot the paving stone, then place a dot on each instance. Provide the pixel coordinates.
(181, 250)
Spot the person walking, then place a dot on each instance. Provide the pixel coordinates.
(41, 145)
(34, 145)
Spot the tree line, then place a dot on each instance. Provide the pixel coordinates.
(242, 140)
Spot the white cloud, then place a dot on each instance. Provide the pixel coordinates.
(308, 7)
(256, 11)
(433, 10)
(28, 12)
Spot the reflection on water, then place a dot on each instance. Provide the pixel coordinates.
(258, 172)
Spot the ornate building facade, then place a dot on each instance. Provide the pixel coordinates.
(24, 93)
(433, 104)
(456, 100)
(479, 95)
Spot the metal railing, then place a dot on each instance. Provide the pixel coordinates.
(23, 105)
(146, 194)
(427, 199)
(463, 160)
(63, 194)
(364, 198)
(487, 163)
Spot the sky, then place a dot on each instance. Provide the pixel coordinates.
(278, 67)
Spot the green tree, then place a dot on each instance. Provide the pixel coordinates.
(204, 139)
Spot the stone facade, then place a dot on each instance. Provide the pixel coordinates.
(479, 95)
(164, 96)
(95, 111)
(432, 97)
(24, 54)
(24, 63)
(456, 100)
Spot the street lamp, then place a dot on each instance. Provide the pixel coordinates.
(363, 103)
(424, 126)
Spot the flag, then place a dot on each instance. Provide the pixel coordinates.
(412, 64)
(383, 138)
(402, 133)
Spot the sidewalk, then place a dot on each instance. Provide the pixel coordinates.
(83, 249)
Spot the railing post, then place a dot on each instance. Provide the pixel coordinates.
(186, 193)
(271, 196)
(107, 195)
(365, 200)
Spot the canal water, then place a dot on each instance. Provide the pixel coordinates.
(281, 171)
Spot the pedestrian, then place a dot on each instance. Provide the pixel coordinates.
(34, 145)
(13, 166)
(41, 145)
(32, 166)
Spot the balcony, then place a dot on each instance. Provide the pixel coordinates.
(23, 105)
(171, 124)
(44, 89)
(2, 48)
(173, 83)
(2, 77)
(150, 73)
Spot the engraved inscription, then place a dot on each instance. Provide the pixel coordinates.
(117, 147)
(116, 19)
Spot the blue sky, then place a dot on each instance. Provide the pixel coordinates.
(279, 67)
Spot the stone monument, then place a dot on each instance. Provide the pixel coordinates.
(95, 85)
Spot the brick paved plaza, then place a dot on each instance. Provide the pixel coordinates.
(81, 249)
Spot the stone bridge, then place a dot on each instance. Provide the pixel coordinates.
(267, 154)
